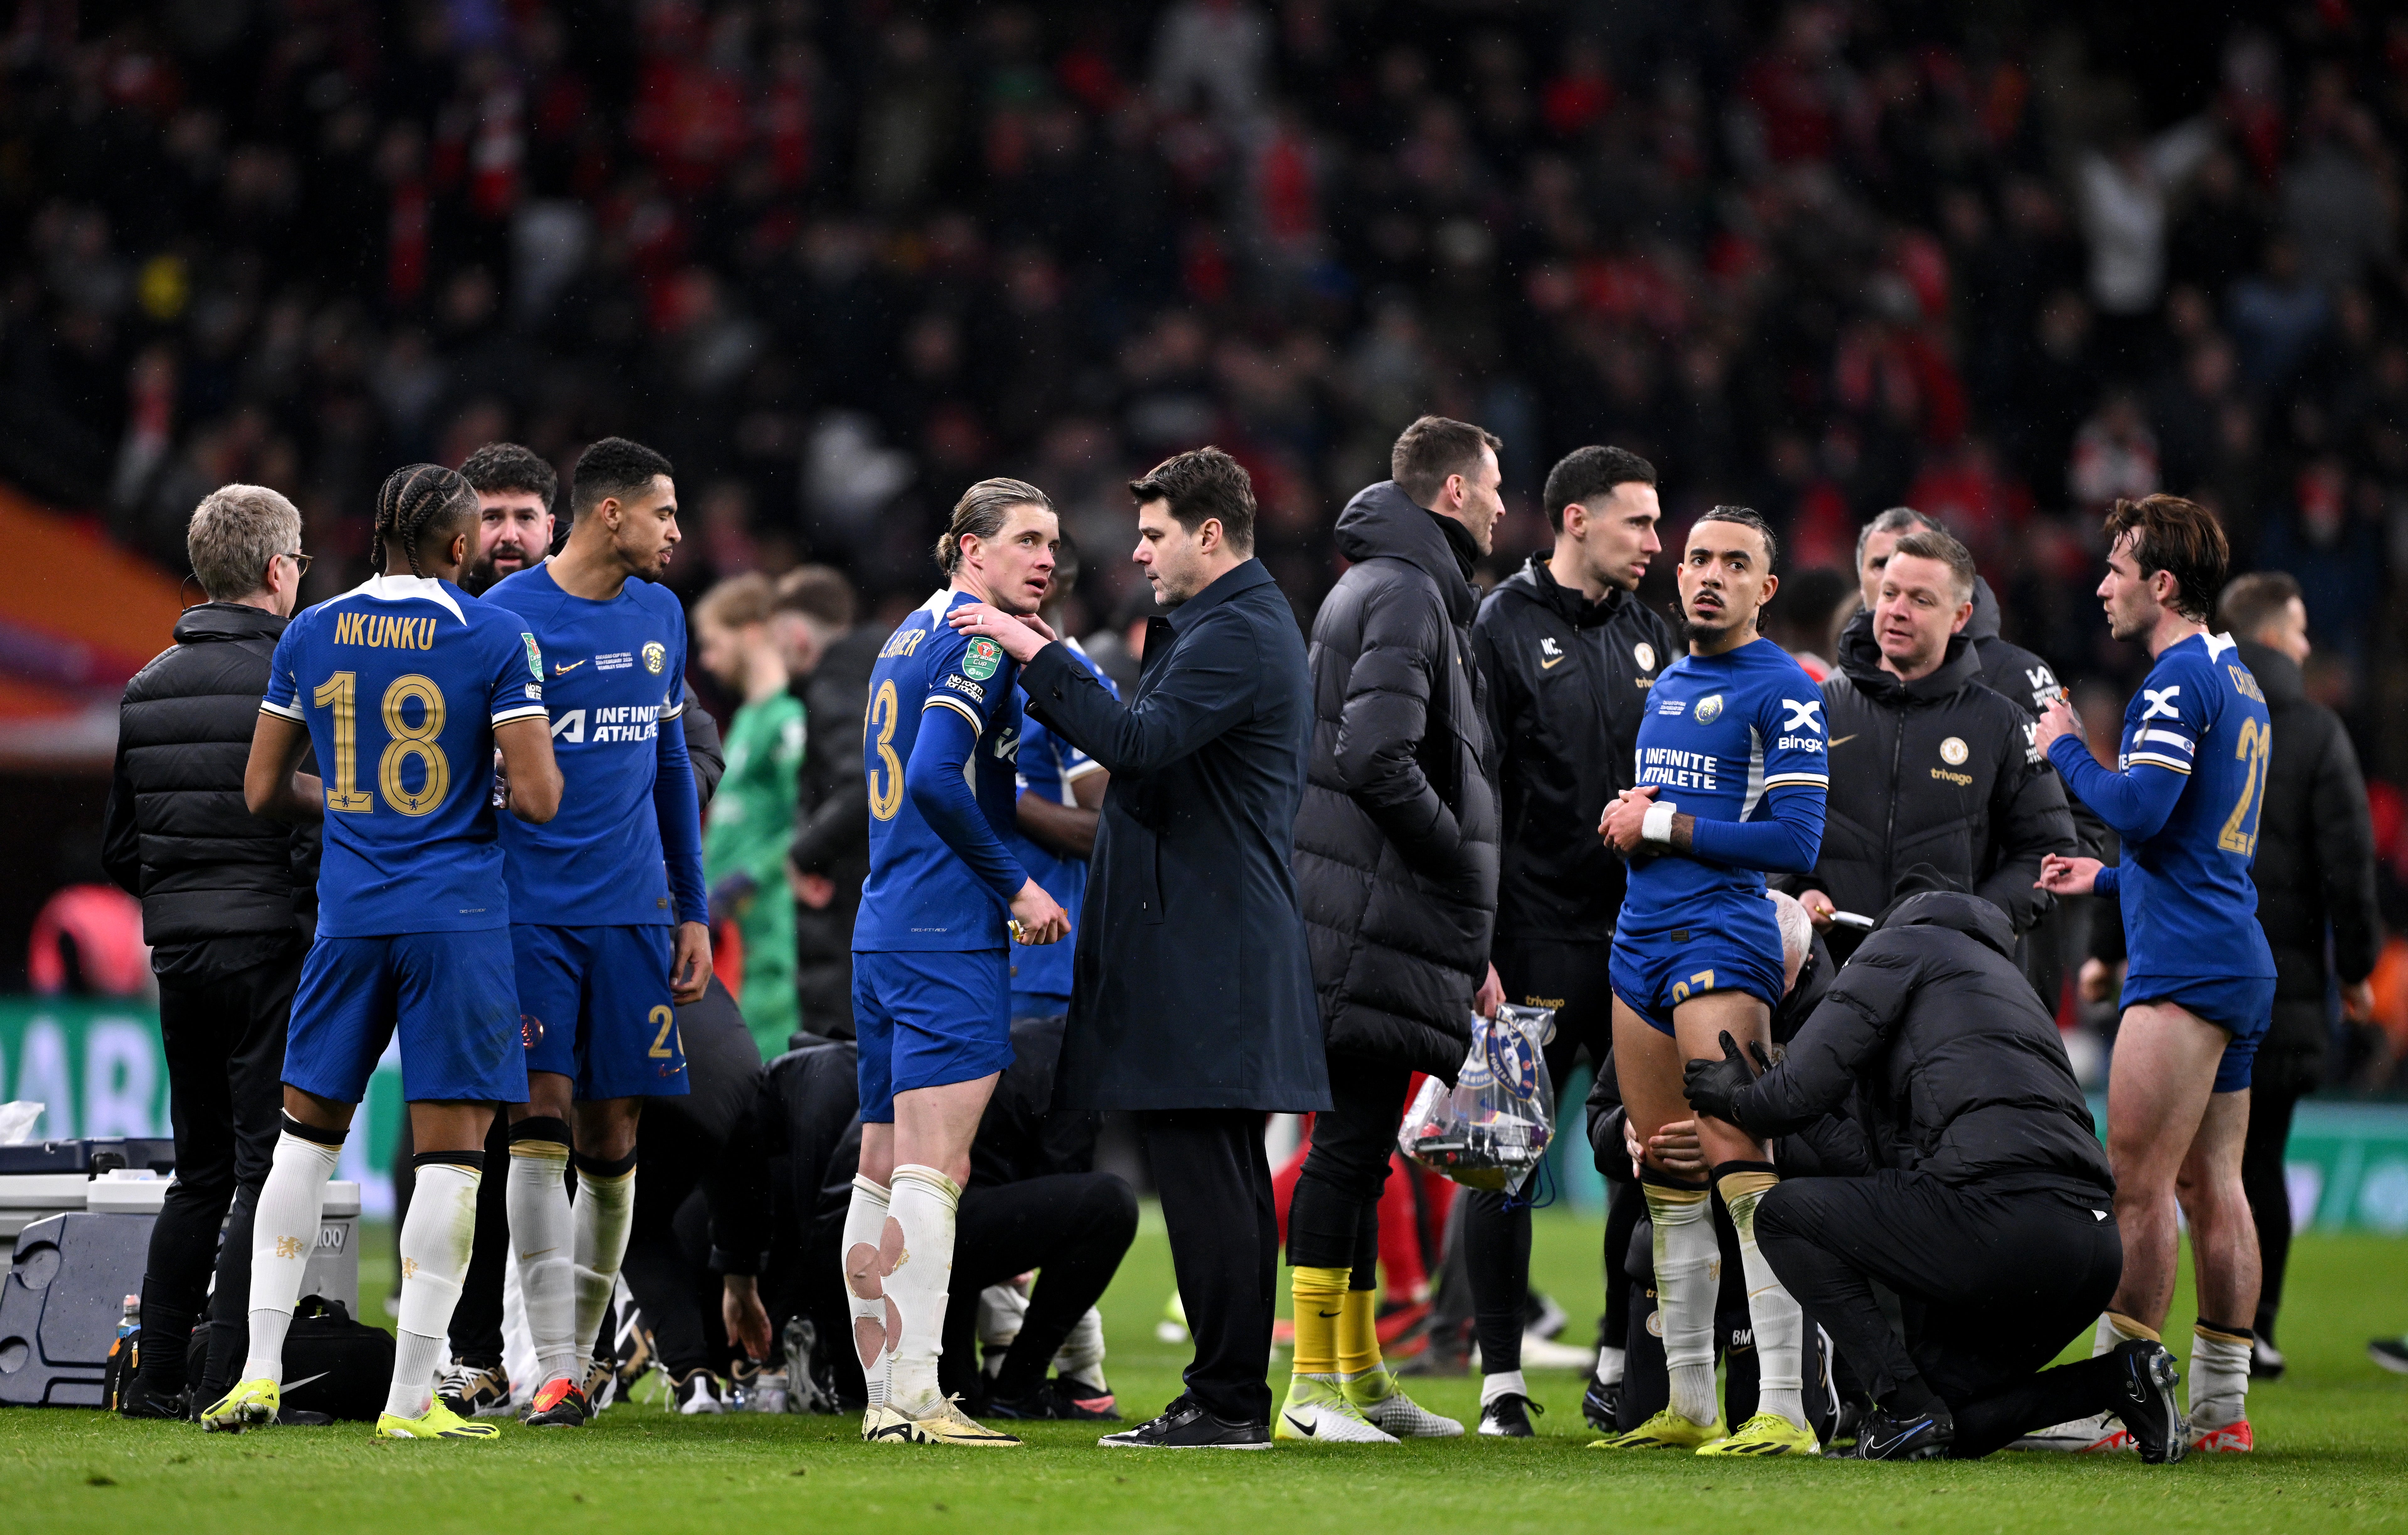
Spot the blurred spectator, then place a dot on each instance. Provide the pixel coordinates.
(1814, 258)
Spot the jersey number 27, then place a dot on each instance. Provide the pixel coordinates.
(339, 695)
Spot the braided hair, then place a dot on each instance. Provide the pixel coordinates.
(414, 499)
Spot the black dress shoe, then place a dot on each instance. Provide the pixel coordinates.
(1185, 1425)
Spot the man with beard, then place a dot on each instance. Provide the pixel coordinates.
(1569, 654)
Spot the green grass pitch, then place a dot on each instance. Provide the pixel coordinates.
(2335, 1458)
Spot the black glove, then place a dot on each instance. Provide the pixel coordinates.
(1714, 1085)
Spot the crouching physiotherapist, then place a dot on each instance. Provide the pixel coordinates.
(1983, 1200)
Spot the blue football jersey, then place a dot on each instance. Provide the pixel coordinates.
(1049, 765)
(1724, 736)
(617, 679)
(920, 894)
(2190, 908)
(400, 683)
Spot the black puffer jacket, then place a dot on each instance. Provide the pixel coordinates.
(1395, 846)
(1954, 1066)
(1938, 771)
(2316, 851)
(2009, 668)
(176, 832)
(1567, 681)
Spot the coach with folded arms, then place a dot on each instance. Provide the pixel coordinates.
(1982, 1197)
(1928, 765)
(1192, 1001)
(221, 892)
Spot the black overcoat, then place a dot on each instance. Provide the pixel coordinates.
(1192, 988)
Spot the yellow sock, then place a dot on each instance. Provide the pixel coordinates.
(1320, 1303)
(1358, 1333)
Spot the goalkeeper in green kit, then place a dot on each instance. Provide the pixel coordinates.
(752, 815)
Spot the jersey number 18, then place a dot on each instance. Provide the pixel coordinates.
(339, 694)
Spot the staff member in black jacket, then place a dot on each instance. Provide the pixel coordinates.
(1928, 765)
(1191, 994)
(2314, 872)
(1985, 1201)
(1396, 861)
(1568, 652)
(224, 898)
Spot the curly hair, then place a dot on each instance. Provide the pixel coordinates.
(416, 500)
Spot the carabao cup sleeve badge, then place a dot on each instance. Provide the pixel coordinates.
(535, 656)
(983, 657)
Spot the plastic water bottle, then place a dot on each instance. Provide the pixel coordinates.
(124, 1350)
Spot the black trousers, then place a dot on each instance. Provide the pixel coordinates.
(1991, 1285)
(224, 1044)
(2273, 1097)
(1215, 1185)
(1074, 1228)
(1333, 1221)
(1571, 979)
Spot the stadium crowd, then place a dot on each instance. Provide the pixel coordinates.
(836, 266)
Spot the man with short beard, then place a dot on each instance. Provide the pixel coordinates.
(515, 488)
(1569, 653)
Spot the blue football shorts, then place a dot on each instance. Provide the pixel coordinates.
(2240, 1005)
(594, 1007)
(925, 1018)
(1724, 943)
(449, 996)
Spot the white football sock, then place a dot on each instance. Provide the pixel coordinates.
(284, 1233)
(2115, 1328)
(1609, 1366)
(2219, 1378)
(876, 1324)
(921, 1206)
(1688, 1272)
(1001, 1309)
(1504, 1382)
(542, 1239)
(436, 1239)
(1779, 1325)
(605, 1208)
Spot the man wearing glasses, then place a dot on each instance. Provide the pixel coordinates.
(228, 902)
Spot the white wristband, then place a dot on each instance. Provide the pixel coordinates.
(1657, 827)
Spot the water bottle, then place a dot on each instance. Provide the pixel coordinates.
(125, 1352)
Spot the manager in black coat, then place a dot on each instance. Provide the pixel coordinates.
(1985, 1202)
(225, 899)
(1193, 997)
(2315, 872)
(1929, 764)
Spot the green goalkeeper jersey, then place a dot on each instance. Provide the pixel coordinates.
(751, 821)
